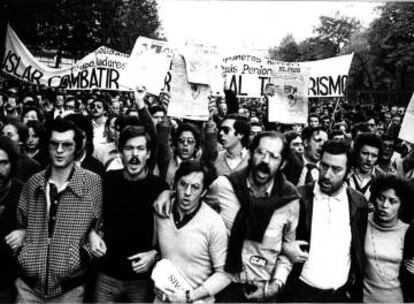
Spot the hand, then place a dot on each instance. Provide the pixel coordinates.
(409, 265)
(141, 262)
(97, 244)
(165, 99)
(162, 205)
(272, 290)
(258, 294)
(15, 238)
(139, 94)
(177, 296)
(294, 253)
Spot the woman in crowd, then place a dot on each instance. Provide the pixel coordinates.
(384, 240)
(32, 143)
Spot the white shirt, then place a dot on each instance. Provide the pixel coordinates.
(329, 259)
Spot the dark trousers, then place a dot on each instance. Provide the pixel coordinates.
(302, 292)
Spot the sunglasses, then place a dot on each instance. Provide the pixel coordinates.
(66, 146)
(98, 106)
(226, 130)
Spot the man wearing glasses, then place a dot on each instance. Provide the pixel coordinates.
(234, 137)
(260, 209)
(186, 143)
(58, 208)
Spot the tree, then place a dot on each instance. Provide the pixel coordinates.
(337, 30)
(288, 50)
(391, 38)
(330, 36)
(81, 26)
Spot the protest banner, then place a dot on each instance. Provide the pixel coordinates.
(203, 65)
(247, 75)
(287, 95)
(100, 69)
(407, 126)
(188, 100)
(148, 65)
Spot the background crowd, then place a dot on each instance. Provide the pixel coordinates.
(379, 167)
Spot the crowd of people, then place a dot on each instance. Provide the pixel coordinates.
(98, 190)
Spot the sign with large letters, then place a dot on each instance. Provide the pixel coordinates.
(100, 69)
(247, 75)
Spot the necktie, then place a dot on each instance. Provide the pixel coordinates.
(309, 177)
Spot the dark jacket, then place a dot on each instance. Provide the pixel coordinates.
(8, 221)
(92, 164)
(358, 208)
(293, 169)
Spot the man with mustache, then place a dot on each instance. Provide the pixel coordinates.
(260, 210)
(368, 150)
(329, 249)
(129, 223)
(11, 107)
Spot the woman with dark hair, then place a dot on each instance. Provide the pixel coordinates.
(32, 144)
(32, 113)
(384, 239)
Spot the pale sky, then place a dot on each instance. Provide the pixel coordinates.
(237, 25)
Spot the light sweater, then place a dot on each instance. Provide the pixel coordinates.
(384, 252)
(223, 167)
(198, 249)
(262, 261)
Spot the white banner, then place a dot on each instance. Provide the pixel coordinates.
(247, 75)
(100, 69)
(148, 65)
(407, 126)
(287, 94)
(188, 100)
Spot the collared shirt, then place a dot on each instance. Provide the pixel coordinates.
(362, 185)
(234, 161)
(329, 259)
(314, 173)
(265, 193)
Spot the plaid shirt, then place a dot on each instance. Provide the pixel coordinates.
(54, 265)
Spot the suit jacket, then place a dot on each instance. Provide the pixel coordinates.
(358, 208)
(293, 169)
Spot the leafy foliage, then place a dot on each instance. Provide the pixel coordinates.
(80, 26)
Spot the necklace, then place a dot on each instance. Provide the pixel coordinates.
(377, 262)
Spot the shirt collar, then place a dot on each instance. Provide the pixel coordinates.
(268, 190)
(243, 154)
(340, 195)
